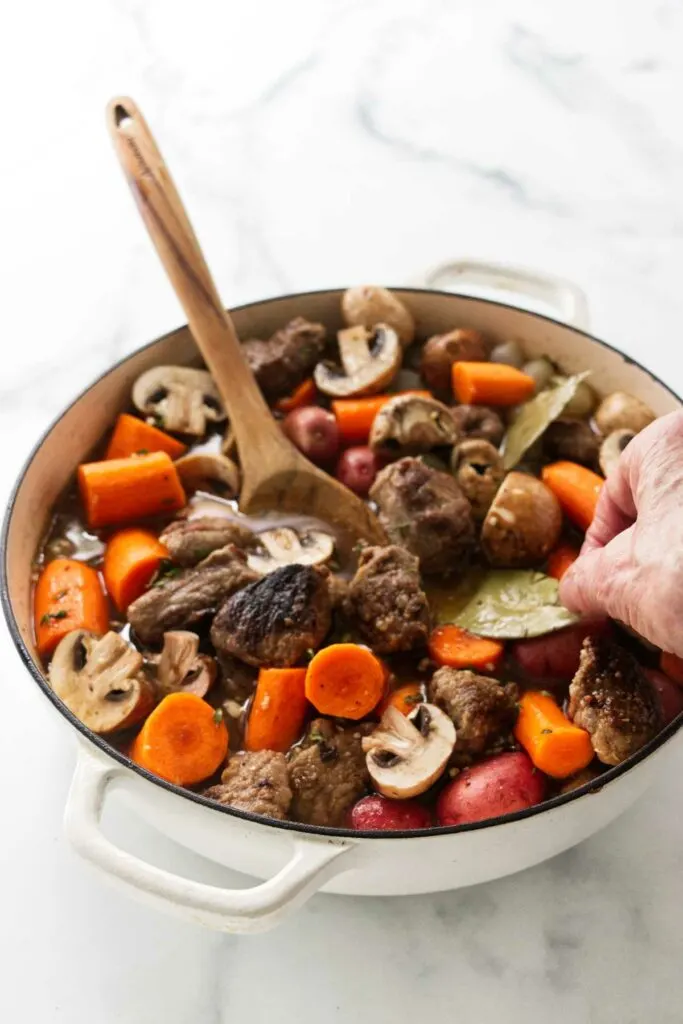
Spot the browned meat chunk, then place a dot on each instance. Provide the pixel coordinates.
(282, 362)
(339, 589)
(424, 511)
(387, 602)
(478, 422)
(483, 710)
(237, 680)
(328, 773)
(181, 601)
(610, 697)
(276, 620)
(573, 440)
(189, 541)
(256, 782)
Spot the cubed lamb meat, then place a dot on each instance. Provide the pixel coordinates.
(328, 773)
(386, 600)
(277, 619)
(183, 600)
(189, 541)
(424, 510)
(610, 697)
(282, 362)
(237, 680)
(483, 710)
(255, 782)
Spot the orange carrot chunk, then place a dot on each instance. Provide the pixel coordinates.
(301, 396)
(278, 710)
(555, 745)
(491, 384)
(118, 490)
(133, 436)
(404, 698)
(68, 596)
(184, 740)
(672, 666)
(345, 681)
(576, 488)
(355, 416)
(455, 647)
(131, 558)
(561, 559)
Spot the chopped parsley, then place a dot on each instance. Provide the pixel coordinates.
(53, 617)
(218, 716)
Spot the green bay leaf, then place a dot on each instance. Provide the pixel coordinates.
(536, 415)
(511, 604)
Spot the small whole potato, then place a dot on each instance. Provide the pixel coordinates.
(368, 305)
(314, 432)
(556, 656)
(500, 785)
(357, 469)
(379, 814)
(442, 350)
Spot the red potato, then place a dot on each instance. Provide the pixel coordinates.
(314, 432)
(378, 814)
(555, 656)
(500, 785)
(357, 469)
(670, 695)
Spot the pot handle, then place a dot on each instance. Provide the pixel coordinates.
(566, 298)
(313, 862)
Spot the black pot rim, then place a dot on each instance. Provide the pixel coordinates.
(291, 826)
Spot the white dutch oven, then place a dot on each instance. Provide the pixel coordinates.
(297, 860)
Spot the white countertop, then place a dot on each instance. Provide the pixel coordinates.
(320, 144)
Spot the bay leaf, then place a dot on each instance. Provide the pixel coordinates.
(513, 604)
(536, 415)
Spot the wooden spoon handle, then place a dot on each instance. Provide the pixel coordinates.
(170, 230)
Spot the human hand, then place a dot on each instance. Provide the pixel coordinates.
(631, 562)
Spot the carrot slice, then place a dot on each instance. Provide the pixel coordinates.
(133, 436)
(131, 558)
(576, 488)
(555, 745)
(561, 559)
(278, 710)
(355, 416)
(491, 384)
(184, 740)
(118, 490)
(404, 698)
(453, 646)
(68, 596)
(345, 681)
(301, 396)
(672, 666)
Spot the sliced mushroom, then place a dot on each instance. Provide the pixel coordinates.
(620, 411)
(179, 399)
(209, 471)
(370, 360)
(180, 668)
(478, 469)
(523, 524)
(412, 424)
(100, 679)
(368, 305)
(406, 755)
(474, 421)
(612, 447)
(284, 546)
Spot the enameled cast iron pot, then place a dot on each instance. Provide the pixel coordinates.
(297, 860)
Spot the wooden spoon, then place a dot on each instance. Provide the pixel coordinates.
(275, 475)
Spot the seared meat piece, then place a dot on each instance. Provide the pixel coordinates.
(610, 697)
(181, 601)
(339, 589)
(573, 440)
(277, 619)
(237, 680)
(282, 362)
(387, 602)
(191, 540)
(483, 710)
(424, 511)
(256, 782)
(328, 773)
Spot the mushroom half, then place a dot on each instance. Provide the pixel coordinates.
(523, 523)
(412, 424)
(209, 471)
(100, 679)
(612, 447)
(406, 755)
(180, 668)
(284, 546)
(179, 399)
(370, 359)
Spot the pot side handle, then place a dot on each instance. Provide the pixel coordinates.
(243, 911)
(568, 300)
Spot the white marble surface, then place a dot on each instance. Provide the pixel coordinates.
(322, 143)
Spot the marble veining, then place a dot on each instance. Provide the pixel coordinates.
(319, 144)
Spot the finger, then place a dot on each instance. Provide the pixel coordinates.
(616, 508)
(601, 580)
